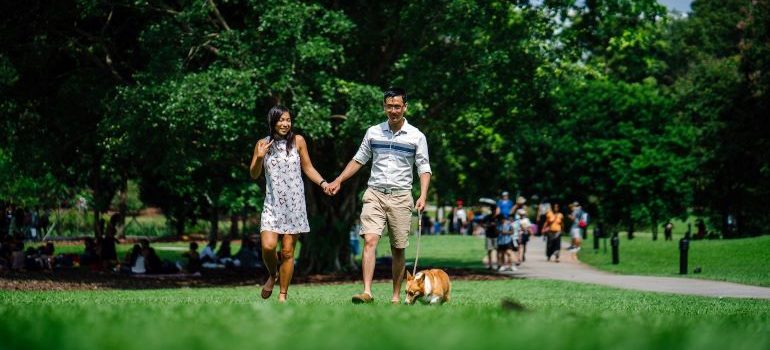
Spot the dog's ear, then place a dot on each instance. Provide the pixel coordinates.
(409, 276)
(422, 277)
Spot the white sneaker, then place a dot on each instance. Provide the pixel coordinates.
(513, 268)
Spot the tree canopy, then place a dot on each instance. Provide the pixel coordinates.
(641, 114)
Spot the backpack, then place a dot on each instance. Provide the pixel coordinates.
(583, 223)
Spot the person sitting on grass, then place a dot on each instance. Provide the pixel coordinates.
(133, 263)
(152, 262)
(224, 254)
(248, 256)
(193, 263)
(207, 254)
(89, 257)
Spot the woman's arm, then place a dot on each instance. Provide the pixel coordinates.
(260, 150)
(307, 165)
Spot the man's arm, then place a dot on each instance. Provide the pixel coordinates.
(362, 156)
(351, 169)
(424, 184)
(422, 162)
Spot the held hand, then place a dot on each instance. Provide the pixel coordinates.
(332, 188)
(420, 204)
(262, 148)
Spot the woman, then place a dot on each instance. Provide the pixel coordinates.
(554, 222)
(282, 154)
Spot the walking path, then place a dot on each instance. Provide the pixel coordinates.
(570, 269)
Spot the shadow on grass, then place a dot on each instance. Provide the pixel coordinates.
(84, 279)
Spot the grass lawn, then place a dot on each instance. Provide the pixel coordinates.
(738, 260)
(559, 315)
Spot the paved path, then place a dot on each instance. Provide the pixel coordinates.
(570, 269)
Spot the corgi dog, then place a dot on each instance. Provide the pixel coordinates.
(429, 286)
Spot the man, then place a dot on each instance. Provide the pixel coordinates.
(395, 147)
(576, 231)
(490, 231)
(460, 217)
(504, 205)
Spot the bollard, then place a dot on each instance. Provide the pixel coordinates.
(615, 243)
(597, 236)
(684, 246)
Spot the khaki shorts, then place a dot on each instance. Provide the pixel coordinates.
(393, 210)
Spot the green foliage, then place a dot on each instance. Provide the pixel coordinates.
(622, 145)
(644, 113)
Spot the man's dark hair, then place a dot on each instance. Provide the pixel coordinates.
(393, 92)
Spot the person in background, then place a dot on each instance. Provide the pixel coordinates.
(504, 206)
(668, 230)
(554, 223)
(524, 234)
(491, 233)
(575, 232)
(542, 210)
(193, 263)
(354, 242)
(207, 254)
(460, 217)
(506, 246)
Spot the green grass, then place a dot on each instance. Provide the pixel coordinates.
(447, 251)
(738, 260)
(560, 315)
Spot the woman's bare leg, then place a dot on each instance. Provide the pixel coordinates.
(288, 243)
(269, 257)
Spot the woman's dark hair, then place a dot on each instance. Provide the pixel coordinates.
(273, 116)
(393, 92)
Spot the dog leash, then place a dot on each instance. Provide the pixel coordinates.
(419, 233)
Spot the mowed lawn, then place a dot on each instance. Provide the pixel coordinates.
(738, 260)
(557, 315)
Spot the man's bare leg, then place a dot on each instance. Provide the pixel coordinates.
(398, 271)
(368, 260)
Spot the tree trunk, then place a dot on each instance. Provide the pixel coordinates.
(122, 207)
(327, 248)
(233, 226)
(214, 222)
(330, 221)
(98, 223)
(179, 223)
(244, 221)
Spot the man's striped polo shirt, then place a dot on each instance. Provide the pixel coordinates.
(393, 155)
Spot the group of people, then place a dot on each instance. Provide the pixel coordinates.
(394, 147)
(508, 230)
(14, 256)
(25, 223)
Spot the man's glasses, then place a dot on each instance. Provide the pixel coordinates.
(394, 107)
